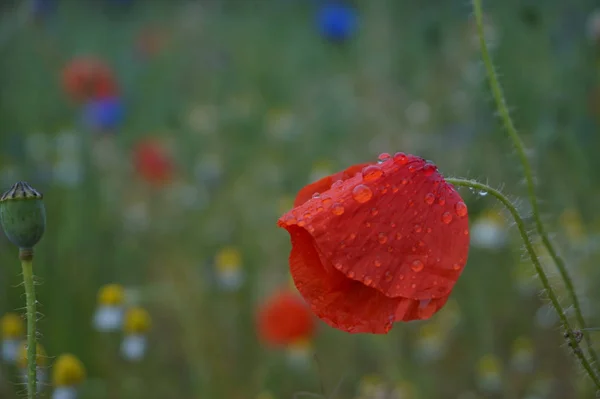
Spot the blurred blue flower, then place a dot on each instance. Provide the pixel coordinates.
(104, 114)
(337, 21)
(43, 7)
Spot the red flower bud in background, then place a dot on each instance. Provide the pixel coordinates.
(85, 78)
(285, 319)
(152, 162)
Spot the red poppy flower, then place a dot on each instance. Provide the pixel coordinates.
(87, 77)
(284, 319)
(378, 243)
(152, 162)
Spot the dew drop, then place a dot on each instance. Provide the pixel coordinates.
(428, 230)
(388, 276)
(401, 277)
(400, 158)
(367, 281)
(310, 229)
(446, 217)
(395, 189)
(350, 274)
(377, 263)
(413, 286)
(337, 185)
(414, 249)
(290, 221)
(352, 236)
(483, 193)
(466, 232)
(421, 243)
(429, 168)
(456, 266)
(383, 157)
(417, 266)
(460, 208)
(372, 173)
(429, 198)
(374, 211)
(382, 238)
(390, 249)
(316, 195)
(442, 200)
(367, 224)
(307, 215)
(362, 193)
(398, 236)
(327, 201)
(337, 209)
(301, 222)
(384, 190)
(393, 225)
(418, 228)
(337, 265)
(412, 168)
(319, 209)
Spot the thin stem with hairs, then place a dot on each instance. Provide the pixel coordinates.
(504, 113)
(26, 257)
(538, 268)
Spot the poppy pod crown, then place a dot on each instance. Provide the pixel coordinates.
(378, 243)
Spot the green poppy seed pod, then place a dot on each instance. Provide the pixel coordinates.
(22, 215)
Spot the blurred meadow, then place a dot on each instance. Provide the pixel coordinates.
(217, 113)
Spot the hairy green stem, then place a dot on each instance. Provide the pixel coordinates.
(519, 146)
(26, 257)
(538, 268)
(27, 266)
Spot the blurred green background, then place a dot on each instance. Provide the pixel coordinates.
(252, 103)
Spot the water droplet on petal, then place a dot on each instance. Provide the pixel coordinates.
(428, 230)
(404, 181)
(395, 189)
(446, 217)
(413, 286)
(383, 157)
(367, 224)
(319, 209)
(393, 225)
(429, 168)
(337, 265)
(388, 276)
(412, 168)
(327, 201)
(290, 220)
(421, 243)
(350, 274)
(307, 215)
(417, 266)
(400, 158)
(337, 209)
(390, 249)
(456, 266)
(352, 236)
(382, 238)
(362, 193)
(398, 236)
(418, 228)
(466, 232)
(460, 208)
(401, 276)
(367, 281)
(337, 185)
(310, 229)
(301, 222)
(429, 198)
(442, 200)
(377, 263)
(372, 173)
(316, 195)
(374, 211)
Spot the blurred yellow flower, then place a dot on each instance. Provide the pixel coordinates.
(67, 371)
(111, 295)
(572, 224)
(489, 230)
(405, 390)
(489, 373)
(41, 357)
(137, 321)
(370, 385)
(12, 326)
(299, 352)
(522, 354)
(430, 342)
(228, 258)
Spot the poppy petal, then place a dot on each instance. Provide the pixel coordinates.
(411, 309)
(341, 302)
(325, 183)
(397, 227)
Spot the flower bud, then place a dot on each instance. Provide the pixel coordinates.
(22, 215)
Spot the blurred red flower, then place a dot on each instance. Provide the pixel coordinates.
(377, 244)
(284, 319)
(152, 162)
(85, 78)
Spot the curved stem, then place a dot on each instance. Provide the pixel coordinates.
(518, 143)
(27, 266)
(538, 268)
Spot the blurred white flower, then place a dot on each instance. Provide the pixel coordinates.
(136, 217)
(228, 268)
(68, 144)
(64, 393)
(133, 347)
(593, 26)
(67, 172)
(203, 119)
(489, 231)
(522, 355)
(430, 343)
(10, 350)
(299, 354)
(38, 147)
(489, 374)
